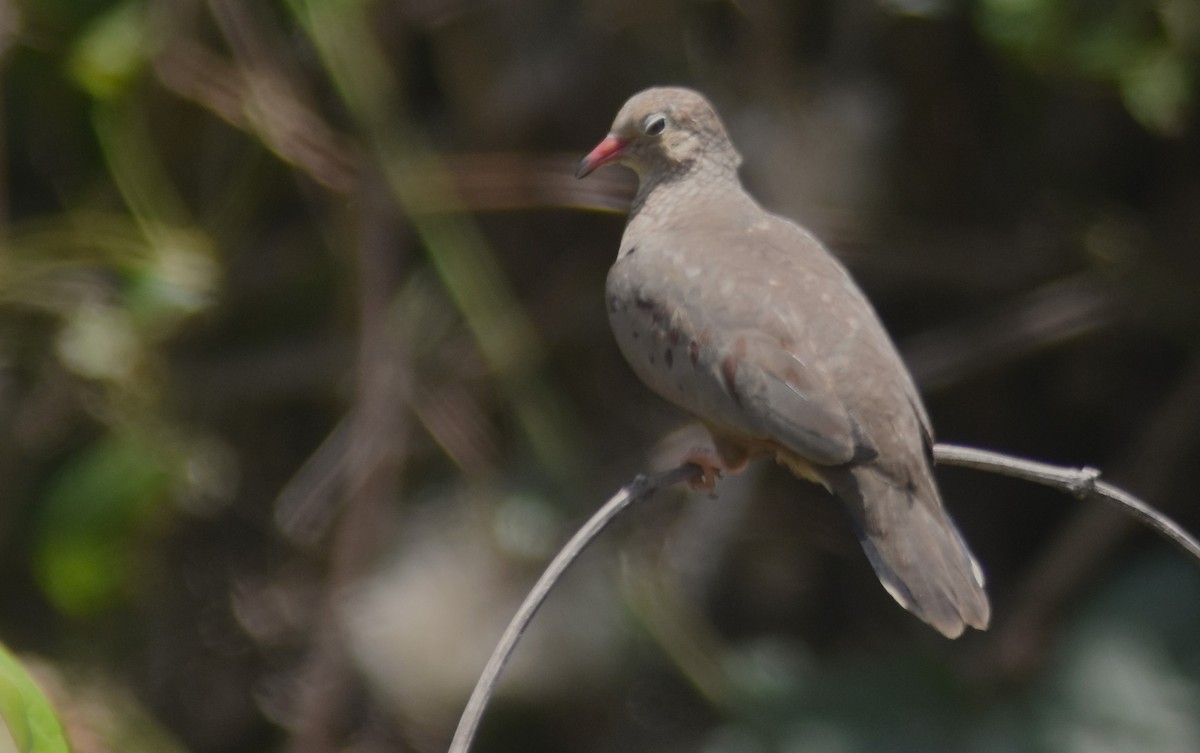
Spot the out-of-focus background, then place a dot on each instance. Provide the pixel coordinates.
(305, 372)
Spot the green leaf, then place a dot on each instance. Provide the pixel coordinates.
(27, 713)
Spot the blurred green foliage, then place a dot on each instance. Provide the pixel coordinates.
(265, 341)
(95, 507)
(113, 51)
(1148, 49)
(1126, 676)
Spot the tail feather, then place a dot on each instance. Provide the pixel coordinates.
(916, 551)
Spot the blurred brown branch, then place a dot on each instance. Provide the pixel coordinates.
(1036, 320)
(376, 451)
(261, 101)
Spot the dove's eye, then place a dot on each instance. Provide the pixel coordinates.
(655, 124)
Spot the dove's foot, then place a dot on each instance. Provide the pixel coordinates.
(711, 466)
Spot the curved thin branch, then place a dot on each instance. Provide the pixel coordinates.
(641, 488)
(1081, 482)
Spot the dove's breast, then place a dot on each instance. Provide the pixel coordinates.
(658, 324)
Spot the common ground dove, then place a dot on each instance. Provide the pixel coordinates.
(743, 319)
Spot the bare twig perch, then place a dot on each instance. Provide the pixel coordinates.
(641, 488)
(1080, 482)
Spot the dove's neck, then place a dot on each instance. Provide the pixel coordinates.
(669, 199)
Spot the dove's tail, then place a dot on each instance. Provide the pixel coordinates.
(916, 551)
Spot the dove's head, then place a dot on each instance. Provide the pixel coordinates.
(663, 132)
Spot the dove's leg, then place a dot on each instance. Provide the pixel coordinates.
(727, 455)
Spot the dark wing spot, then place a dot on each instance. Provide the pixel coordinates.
(657, 314)
(694, 352)
(629, 251)
(669, 357)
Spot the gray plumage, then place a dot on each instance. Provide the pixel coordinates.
(743, 319)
